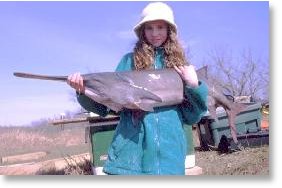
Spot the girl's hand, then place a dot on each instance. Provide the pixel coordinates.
(76, 81)
(188, 75)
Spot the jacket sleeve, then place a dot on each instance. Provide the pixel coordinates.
(195, 103)
(97, 108)
(126, 63)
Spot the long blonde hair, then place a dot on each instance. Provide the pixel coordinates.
(144, 52)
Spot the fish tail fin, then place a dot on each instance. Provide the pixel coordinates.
(236, 108)
(231, 120)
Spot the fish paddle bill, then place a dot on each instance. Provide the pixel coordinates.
(40, 77)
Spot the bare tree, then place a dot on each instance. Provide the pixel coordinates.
(244, 76)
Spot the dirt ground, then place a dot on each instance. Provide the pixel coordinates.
(249, 161)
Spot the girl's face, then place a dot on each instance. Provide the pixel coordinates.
(156, 32)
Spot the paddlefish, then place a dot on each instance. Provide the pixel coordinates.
(144, 90)
(138, 90)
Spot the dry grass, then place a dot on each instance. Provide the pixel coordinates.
(18, 140)
(22, 137)
(78, 168)
(75, 166)
(249, 161)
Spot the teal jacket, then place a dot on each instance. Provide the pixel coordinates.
(157, 144)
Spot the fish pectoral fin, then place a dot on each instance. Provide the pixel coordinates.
(145, 107)
(149, 95)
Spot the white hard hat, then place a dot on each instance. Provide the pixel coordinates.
(156, 11)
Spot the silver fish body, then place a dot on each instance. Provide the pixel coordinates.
(141, 90)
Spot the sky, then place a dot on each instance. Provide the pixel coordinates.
(60, 38)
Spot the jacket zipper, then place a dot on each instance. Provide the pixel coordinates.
(157, 143)
(157, 123)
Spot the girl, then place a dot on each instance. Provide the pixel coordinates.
(156, 144)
